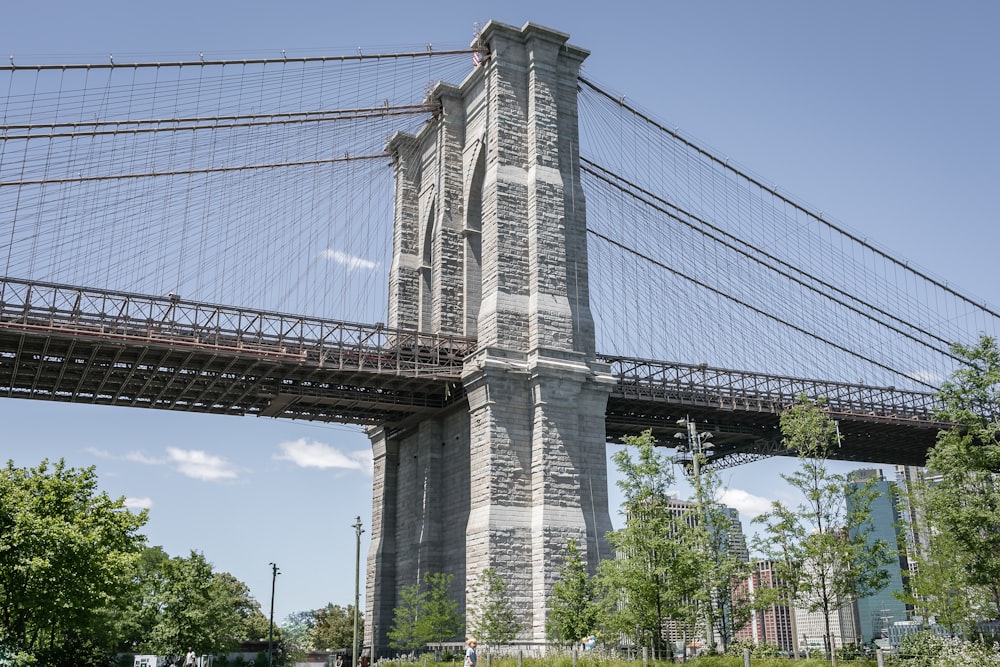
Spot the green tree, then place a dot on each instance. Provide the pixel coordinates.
(939, 588)
(404, 634)
(426, 613)
(253, 625)
(297, 633)
(839, 562)
(574, 609)
(721, 572)
(208, 611)
(655, 579)
(334, 627)
(142, 616)
(66, 551)
(491, 613)
(780, 540)
(440, 619)
(966, 458)
(137, 614)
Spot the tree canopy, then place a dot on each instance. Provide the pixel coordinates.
(78, 583)
(334, 627)
(574, 610)
(491, 614)
(426, 613)
(964, 499)
(727, 607)
(824, 542)
(66, 552)
(656, 578)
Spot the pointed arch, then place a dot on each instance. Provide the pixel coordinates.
(428, 261)
(473, 231)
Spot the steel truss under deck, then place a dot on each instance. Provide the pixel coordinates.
(73, 344)
(742, 410)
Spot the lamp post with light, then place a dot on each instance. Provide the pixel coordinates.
(357, 579)
(695, 446)
(270, 633)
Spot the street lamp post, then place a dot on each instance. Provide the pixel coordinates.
(696, 447)
(357, 579)
(270, 632)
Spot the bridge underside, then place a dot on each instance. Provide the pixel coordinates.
(745, 435)
(141, 372)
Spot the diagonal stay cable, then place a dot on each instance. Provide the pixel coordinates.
(755, 309)
(239, 61)
(658, 204)
(791, 202)
(142, 126)
(186, 172)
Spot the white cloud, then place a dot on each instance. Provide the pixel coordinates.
(199, 465)
(311, 454)
(99, 453)
(138, 503)
(139, 457)
(190, 463)
(350, 261)
(747, 504)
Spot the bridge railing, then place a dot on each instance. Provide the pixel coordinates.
(700, 384)
(53, 309)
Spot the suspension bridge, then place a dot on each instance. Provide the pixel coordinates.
(562, 269)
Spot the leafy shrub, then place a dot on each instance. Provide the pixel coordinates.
(756, 650)
(920, 649)
(11, 658)
(926, 649)
(851, 652)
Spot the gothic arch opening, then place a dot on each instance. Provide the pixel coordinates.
(427, 264)
(474, 245)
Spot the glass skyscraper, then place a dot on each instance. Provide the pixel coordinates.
(876, 613)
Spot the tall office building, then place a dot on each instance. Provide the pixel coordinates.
(877, 612)
(811, 627)
(735, 544)
(913, 522)
(772, 625)
(737, 539)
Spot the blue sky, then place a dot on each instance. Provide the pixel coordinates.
(881, 114)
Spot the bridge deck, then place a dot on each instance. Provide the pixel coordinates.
(742, 410)
(70, 344)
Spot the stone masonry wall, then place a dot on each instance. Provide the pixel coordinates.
(404, 274)
(505, 480)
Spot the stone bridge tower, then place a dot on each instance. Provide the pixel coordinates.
(490, 241)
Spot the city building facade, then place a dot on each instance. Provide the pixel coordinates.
(811, 627)
(772, 625)
(877, 612)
